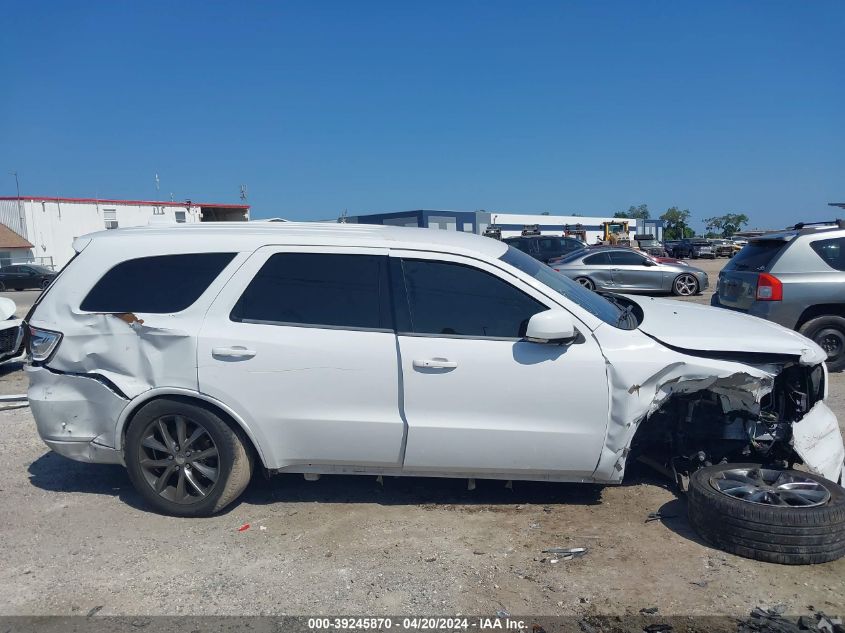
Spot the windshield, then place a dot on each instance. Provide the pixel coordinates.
(593, 303)
(756, 255)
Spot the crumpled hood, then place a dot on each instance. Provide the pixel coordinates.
(696, 327)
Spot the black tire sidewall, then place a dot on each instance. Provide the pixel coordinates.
(220, 433)
(813, 326)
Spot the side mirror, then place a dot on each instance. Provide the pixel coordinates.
(648, 262)
(551, 326)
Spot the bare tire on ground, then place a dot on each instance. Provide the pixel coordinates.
(685, 285)
(774, 515)
(586, 282)
(829, 333)
(184, 460)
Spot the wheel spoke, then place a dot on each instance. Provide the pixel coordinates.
(769, 486)
(156, 463)
(180, 486)
(194, 484)
(161, 482)
(165, 435)
(198, 433)
(181, 431)
(207, 471)
(209, 452)
(153, 443)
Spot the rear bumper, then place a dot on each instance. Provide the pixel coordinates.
(76, 416)
(774, 311)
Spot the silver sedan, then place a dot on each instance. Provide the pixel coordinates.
(628, 270)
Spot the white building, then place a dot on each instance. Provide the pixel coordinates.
(50, 225)
(510, 224)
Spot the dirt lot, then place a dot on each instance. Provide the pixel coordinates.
(76, 537)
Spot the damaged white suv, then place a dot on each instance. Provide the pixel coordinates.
(191, 354)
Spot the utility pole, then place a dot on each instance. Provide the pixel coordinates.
(20, 209)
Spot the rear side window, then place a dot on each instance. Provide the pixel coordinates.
(756, 255)
(831, 251)
(317, 289)
(453, 299)
(626, 258)
(599, 259)
(160, 284)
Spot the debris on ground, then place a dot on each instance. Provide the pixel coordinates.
(648, 610)
(244, 527)
(773, 621)
(659, 516)
(657, 627)
(94, 611)
(564, 553)
(501, 613)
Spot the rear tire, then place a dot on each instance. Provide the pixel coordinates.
(829, 333)
(2, 287)
(149, 460)
(785, 534)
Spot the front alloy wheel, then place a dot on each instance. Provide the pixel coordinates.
(685, 285)
(776, 515)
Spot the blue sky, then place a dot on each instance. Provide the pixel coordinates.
(375, 106)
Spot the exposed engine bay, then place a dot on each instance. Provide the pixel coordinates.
(708, 426)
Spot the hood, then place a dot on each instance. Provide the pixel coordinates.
(702, 328)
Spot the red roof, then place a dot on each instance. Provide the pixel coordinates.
(156, 203)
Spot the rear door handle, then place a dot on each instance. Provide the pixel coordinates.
(435, 363)
(235, 351)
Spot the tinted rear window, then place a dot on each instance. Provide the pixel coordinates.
(756, 255)
(161, 284)
(317, 289)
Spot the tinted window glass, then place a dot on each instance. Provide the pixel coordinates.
(599, 259)
(317, 289)
(626, 258)
(831, 251)
(166, 283)
(519, 243)
(449, 298)
(756, 255)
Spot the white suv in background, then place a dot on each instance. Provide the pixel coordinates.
(191, 354)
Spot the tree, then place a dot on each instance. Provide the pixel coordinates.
(727, 224)
(638, 213)
(675, 224)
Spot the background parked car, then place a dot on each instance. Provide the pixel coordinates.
(25, 276)
(723, 248)
(624, 269)
(650, 245)
(795, 278)
(545, 247)
(692, 248)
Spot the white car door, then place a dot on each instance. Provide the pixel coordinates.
(479, 399)
(300, 343)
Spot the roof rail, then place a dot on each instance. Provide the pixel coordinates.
(838, 222)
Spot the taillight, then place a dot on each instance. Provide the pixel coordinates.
(769, 288)
(42, 343)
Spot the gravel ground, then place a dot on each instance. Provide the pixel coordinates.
(76, 537)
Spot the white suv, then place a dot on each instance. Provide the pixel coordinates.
(193, 353)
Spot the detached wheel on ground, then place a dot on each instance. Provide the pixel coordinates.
(779, 516)
(685, 285)
(586, 282)
(829, 333)
(184, 460)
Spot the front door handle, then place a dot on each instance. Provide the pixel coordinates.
(235, 351)
(435, 363)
